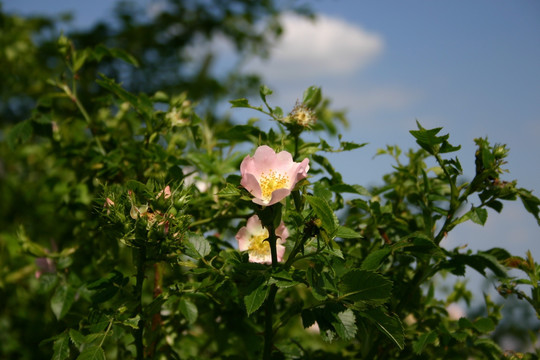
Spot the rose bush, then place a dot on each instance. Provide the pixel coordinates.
(172, 241)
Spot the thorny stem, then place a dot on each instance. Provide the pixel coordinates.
(138, 295)
(269, 308)
(156, 318)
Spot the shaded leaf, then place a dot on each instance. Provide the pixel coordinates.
(390, 325)
(19, 133)
(198, 246)
(92, 353)
(189, 310)
(484, 325)
(374, 259)
(359, 285)
(61, 347)
(345, 324)
(61, 301)
(423, 340)
(323, 212)
(347, 233)
(256, 297)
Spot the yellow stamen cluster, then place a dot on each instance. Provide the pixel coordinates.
(272, 181)
(302, 115)
(258, 247)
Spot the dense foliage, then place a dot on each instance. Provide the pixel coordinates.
(122, 205)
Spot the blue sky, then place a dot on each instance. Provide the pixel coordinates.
(471, 67)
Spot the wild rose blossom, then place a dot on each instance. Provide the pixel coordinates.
(270, 177)
(252, 238)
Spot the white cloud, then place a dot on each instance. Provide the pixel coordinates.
(324, 47)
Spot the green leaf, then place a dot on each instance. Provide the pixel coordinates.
(352, 189)
(495, 205)
(308, 318)
(429, 140)
(265, 91)
(124, 55)
(19, 133)
(106, 287)
(76, 337)
(478, 215)
(347, 233)
(229, 190)
(531, 203)
(141, 103)
(240, 103)
(323, 212)
(312, 97)
(132, 322)
(484, 325)
(345, 324)
(361, 285)
(465, 323)
(423, 340)
(189, 310)
(480, 262)
(92, 353)
(199, 246)
(100, 51)
(390, 325)
(79, 58)
(316, 283)
(283, 280)
(61, 347)
(374, 259)
(61, 301)
(256, 297)
(349, 145)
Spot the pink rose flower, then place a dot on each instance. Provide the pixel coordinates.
(252, 238)
(270, 177)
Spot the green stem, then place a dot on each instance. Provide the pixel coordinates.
(269, 306)
(454, 202)
(296, 137)
(139, 346)
(106, 333)
(297, 247)
(268, 325)
(73, 96)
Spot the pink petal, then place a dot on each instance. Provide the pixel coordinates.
(264, 158)
(298, 172)
(254, 225)
(280, 250)
(282, 232)
(278, 195)
(243, 239)
(251, 184)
